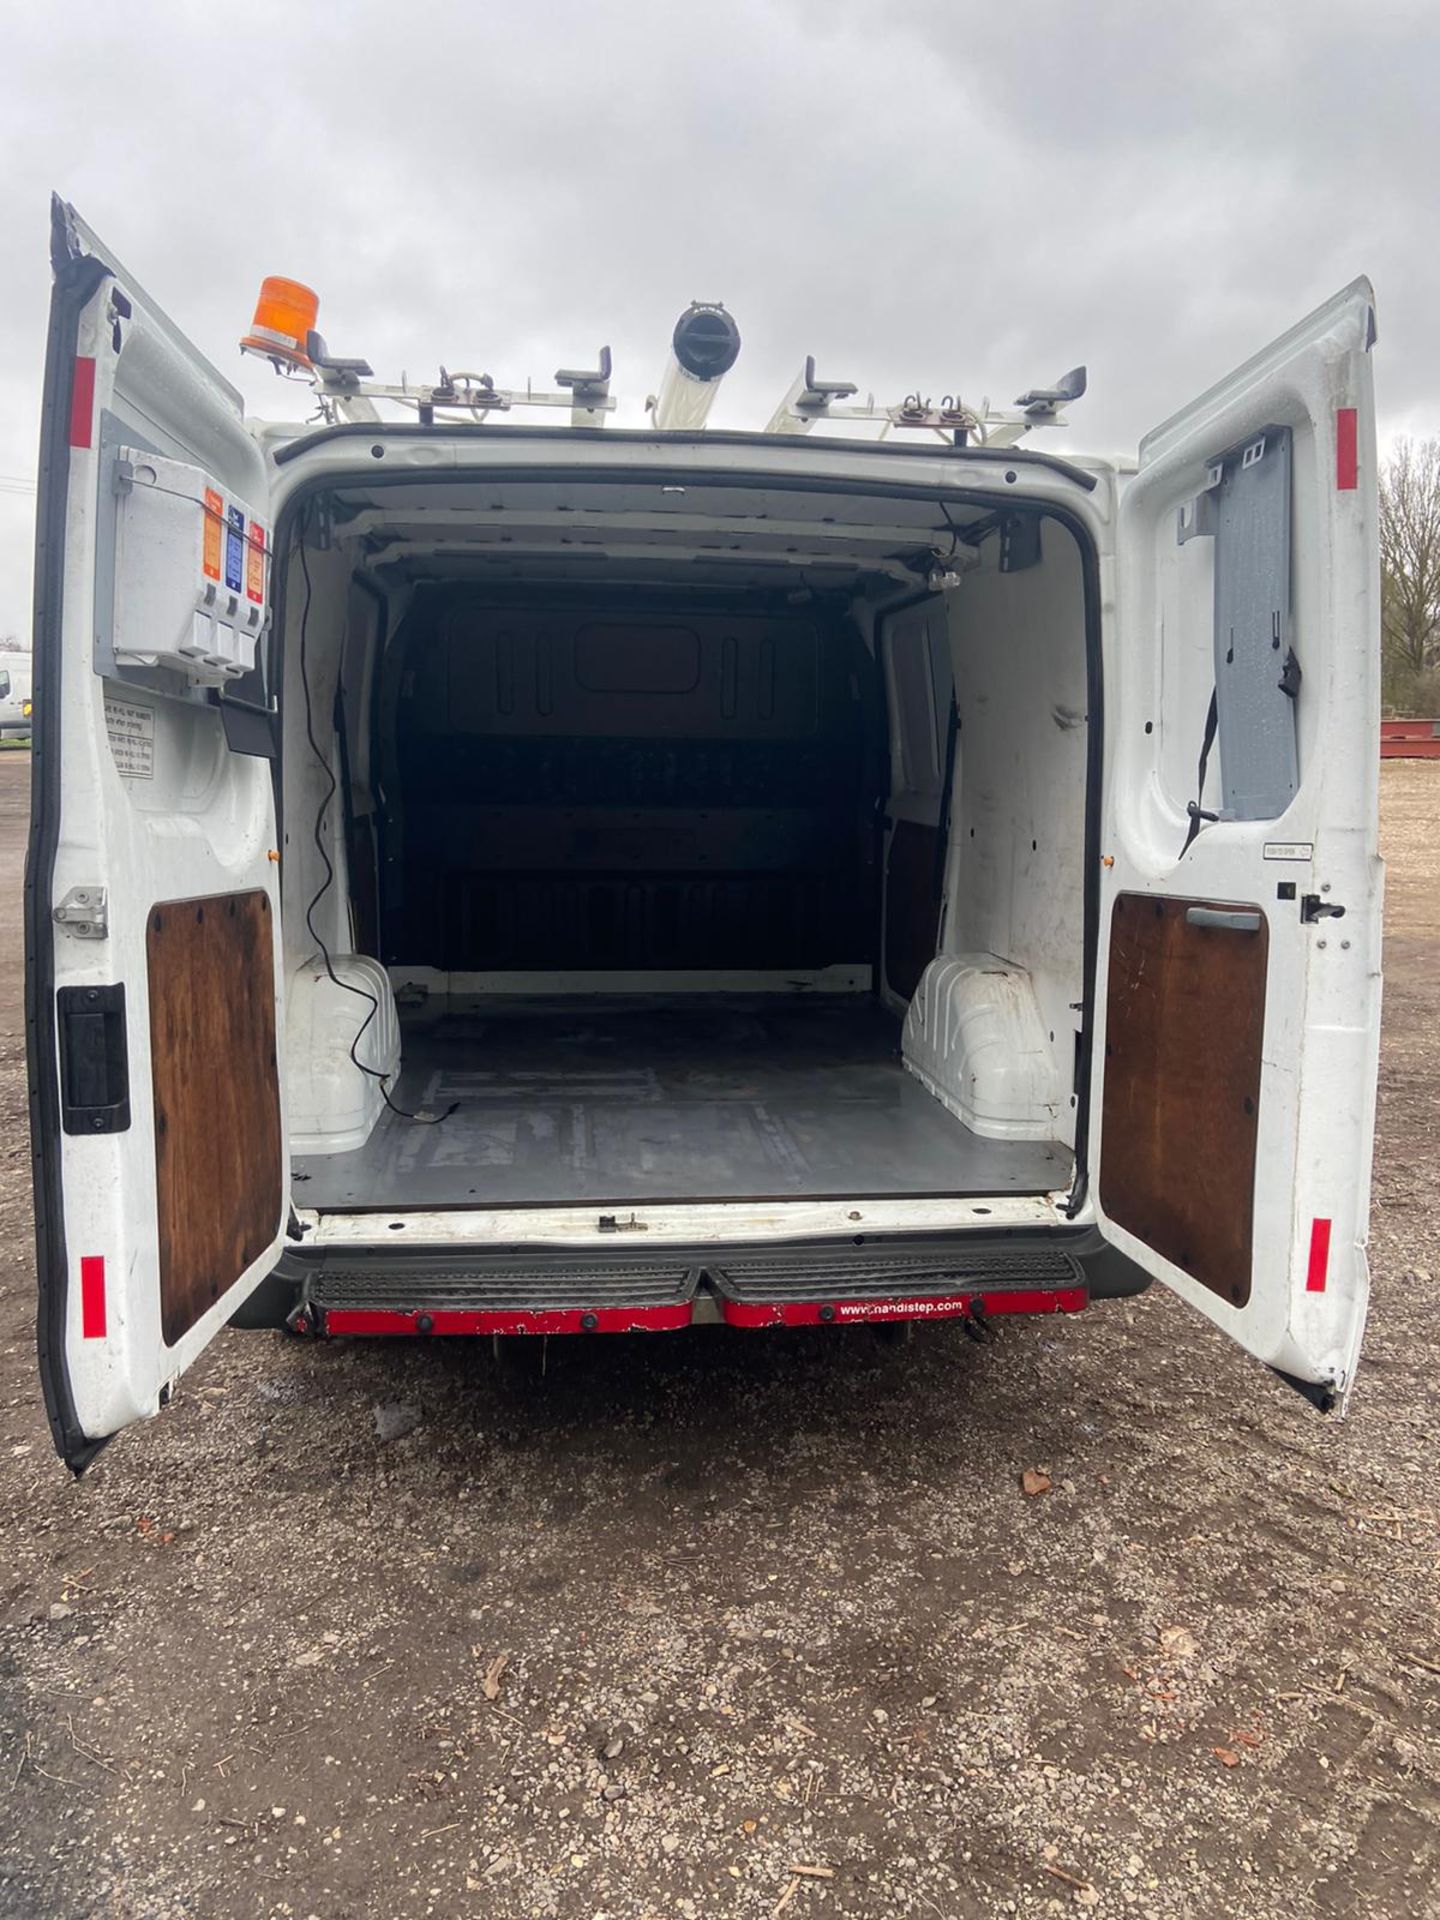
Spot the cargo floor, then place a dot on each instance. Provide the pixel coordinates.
(656, 1099)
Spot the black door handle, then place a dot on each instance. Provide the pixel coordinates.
(94, 1062)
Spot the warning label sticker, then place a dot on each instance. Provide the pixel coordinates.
(132, 738)
(255, 564)
(235, 550)
(214, 526)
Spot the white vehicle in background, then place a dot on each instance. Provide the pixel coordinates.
(14, 693)
(490, 879)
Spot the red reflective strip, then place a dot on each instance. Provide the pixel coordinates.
(92, 1296)
(82, 402)
(1318, 1272)
(562, 1320)
(1037, 1300)
(1347, 449)
(797, 1313)
(814, 1313)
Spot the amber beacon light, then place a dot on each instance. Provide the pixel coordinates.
(285, 314)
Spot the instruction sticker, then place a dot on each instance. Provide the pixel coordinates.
(1289, 850)
(131, 730)
(214, 527)
(235, 551)
(255, 564)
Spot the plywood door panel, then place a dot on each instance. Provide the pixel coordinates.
(219, 1158)
(1184, 1026)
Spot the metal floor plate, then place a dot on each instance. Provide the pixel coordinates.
(712, 1098)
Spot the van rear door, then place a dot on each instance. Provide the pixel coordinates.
(151, 895)
(1238, 993)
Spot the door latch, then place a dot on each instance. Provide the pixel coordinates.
(612, 1223)
(85, 912)
(1313, 908)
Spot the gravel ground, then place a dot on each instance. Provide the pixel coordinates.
(768, 1622)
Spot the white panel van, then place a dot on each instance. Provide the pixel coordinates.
(15, 702)
(503, 879)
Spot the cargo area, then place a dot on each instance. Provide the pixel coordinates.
(667, 1098)
(654, 843)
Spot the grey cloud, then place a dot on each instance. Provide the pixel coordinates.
(928, 195)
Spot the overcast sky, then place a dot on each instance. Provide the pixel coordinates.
(923, 193)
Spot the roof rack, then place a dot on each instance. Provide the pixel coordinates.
(704, 347)
(810, 400)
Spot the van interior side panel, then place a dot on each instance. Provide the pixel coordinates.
(1018, 835)
(600, 905)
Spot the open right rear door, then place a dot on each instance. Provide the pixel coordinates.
(1238, 974)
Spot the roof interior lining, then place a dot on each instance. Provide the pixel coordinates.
(644, 530)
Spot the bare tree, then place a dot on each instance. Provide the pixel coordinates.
(1410, 558)
(11, 643)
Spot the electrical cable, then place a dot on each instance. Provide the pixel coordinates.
(346, 986)
(954, 530)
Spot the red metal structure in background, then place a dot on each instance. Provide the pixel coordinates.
(1410, 739)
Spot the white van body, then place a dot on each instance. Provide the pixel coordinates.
(14, 693)
(498, 879)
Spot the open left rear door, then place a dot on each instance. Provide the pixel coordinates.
(1238, 990)
(151, 889)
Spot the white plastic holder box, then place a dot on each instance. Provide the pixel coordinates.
(192, 571)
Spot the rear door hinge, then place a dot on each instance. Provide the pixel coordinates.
(85, 912)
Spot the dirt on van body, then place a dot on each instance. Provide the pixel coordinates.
(743, 1624)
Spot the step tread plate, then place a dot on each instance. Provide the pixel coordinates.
(814, 1276)
(465, 1286)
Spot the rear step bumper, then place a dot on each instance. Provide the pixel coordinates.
(469, 1294)
(801, 1290)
